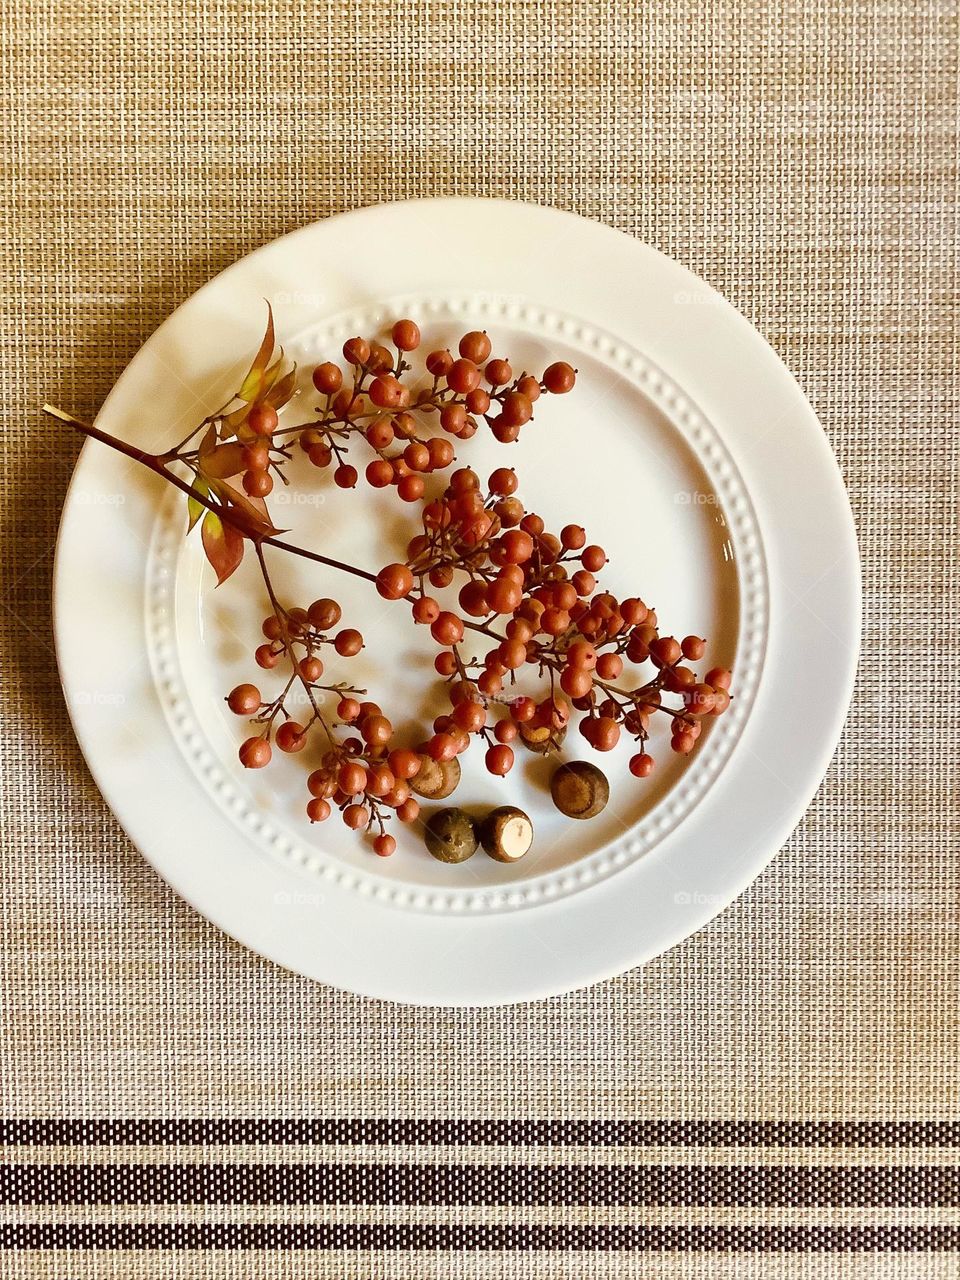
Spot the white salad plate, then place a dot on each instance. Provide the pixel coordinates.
(686, 449)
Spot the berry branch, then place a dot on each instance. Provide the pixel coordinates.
(532, 594)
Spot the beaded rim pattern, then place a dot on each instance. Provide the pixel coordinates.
(167, 545)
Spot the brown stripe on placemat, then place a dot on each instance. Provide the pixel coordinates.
(265, 1235)
(392, 1184)
(456, 1133)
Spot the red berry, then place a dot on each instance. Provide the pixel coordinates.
(721, 700)
(463, 376)
(266, 657)
(573, 537)
(291, 736)
(530, 387)
(606, 733)
(311, 668)
(380, 433)
(255, 753)
(478, 401)
(699, 699)
(503, 481)
(410, 488)
(523, 710)
(327, 378)
(380, 358)
(348, 642)
(513, 654)
(384, 845)
(517, 546)
(576, 681)
(693, 648)
(351, 778)
(490, 684)
(442, 746)
(244, 700)
(559, 378)
(440, 452)
(409, 811)
(426, 610)
(609, 666)
(348, 709)
(386, 392)
(505, 731)
(498, 373)
(379, 473)
(355, 816)
(593, 558)
(641, 766)
(345, 476)
(445, 664)
(318, 809)
(324, 614)
(394, 581)
(447, 628)
(517, 409)
(470, 716)
(262, 419)
(453, 418)
(356, 350)
(475, 346)
(256, 456)
(504, 596)
(499, 760)
(404, 763)
(377, 732)
(718, 678)
(405, 335)
(582, 654)
(439, 363)
(665, 651)
(633, 611)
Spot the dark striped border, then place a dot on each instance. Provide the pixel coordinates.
(265, 1235)
(517, 1185)
(484, 1133)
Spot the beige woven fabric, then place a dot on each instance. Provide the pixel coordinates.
(803, 158)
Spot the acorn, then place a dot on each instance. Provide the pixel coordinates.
(450, 835)
(436, 779)
(541, 740)
(579, 789)
(506, 833)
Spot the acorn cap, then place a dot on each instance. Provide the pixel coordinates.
(579, 789)
(506, 833)
(542, 739)
(450, 835)
(436, 779)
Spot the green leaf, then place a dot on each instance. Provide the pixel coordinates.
(223, 545)
(255, 381)
(196, 509)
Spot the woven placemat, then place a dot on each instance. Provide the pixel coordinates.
(778, 1095)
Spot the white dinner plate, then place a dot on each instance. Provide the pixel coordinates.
(687, 451)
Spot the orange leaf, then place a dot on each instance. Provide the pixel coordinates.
(225, 460)
(281, 391)
(223, 545)
(253, 384)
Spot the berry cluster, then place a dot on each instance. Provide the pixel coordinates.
(529, 597)
(372, 401)
(535, 596)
